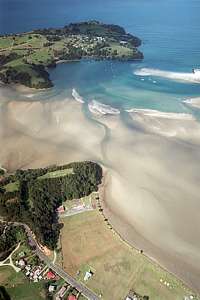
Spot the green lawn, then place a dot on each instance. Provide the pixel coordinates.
(86, 201)
(18, 287)
(5, 42)
(55, 174)
(12, 187)
(27, 291)
(22, 41)
(88, 243)
(23, 248)
(44, 56)
(121, 50)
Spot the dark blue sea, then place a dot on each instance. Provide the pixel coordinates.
(169, 30)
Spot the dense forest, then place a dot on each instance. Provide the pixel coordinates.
(9, 237)
(33, 196)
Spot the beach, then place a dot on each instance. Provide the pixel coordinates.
(152, 181)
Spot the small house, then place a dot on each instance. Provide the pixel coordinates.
(88, 275)
(51, 275)
(52, 288)
(60, 209)
(22, 263)
(123, 43)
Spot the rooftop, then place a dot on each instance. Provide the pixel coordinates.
(50, 275)
(71, 297)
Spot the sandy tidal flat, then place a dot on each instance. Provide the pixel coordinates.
(152, 181)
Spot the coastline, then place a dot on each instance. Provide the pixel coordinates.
(22, 88)
(148, 180)
(62, 61)
(114, 225)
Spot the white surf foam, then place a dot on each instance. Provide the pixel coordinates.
(102, 109)
(194, 102)
(178, 76)
(159, 114)
(77, 97)
(30, 95)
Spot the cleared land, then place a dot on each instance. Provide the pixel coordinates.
(89, 244)
(18, 287)
(56, 174)
(12, 187)
(87, 201)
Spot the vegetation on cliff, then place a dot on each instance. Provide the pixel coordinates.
(25, 58)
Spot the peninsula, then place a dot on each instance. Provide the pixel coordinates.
(26, 57)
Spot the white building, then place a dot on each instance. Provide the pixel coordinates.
(88, 275)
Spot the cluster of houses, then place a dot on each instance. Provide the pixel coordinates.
(34, 272)
(38, 272)
(65, 293)
(85, 42)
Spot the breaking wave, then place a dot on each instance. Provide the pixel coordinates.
(77, 97)
(159, 114)
(178, 76)
(102, 109)
(194, 102)
(30, 95)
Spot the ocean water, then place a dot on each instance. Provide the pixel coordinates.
(169, 30)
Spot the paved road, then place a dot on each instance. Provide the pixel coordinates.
(57, 269)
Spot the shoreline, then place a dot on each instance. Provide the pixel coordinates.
(147, 170)
(132, 246)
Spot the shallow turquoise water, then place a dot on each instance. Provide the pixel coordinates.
(170, 33)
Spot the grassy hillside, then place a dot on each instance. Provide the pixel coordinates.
(24, 58)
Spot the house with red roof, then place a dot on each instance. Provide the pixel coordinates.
(71, 297)
(51, 275)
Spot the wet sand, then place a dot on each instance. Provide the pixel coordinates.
(152, 184)
(152, 196)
